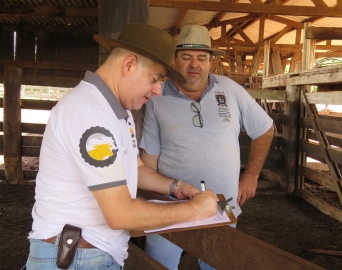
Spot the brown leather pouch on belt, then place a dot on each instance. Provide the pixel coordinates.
(68, 243)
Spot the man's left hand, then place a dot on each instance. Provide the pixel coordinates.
(247, 187)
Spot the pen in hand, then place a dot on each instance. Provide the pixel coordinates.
(203, 185)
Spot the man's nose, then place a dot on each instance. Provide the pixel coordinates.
(194, 62)
(157, 89)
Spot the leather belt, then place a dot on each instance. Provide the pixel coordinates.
(82, 243)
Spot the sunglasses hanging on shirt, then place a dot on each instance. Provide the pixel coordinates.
(197, 119)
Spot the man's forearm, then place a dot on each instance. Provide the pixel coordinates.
(259, 151)
(150, 180)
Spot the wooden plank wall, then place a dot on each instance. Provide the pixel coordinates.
(48, 59)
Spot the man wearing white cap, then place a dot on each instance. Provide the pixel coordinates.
(90, 167)
(191, 132)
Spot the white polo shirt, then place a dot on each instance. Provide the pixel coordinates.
(89, 144)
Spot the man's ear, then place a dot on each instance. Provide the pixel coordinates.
(129, 61)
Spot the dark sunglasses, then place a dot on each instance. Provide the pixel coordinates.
(197, 119)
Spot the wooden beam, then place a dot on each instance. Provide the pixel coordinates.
(53, 29)
(319, 3)
(261, 30)
(323, 75)
(321, 205)
(256, 62)
(250, 8)
(138, 259)
(49, 65)
(266, 59)
(235, 20)
(267, 94)
(308, 51)
(180, 19)
(245, 251)
(331, 126)
(323, 33)
(298, 35)
(293, 63)
(285, 21)
(223, 33)
(29, 79)
(331, 97)
(33, 128)
(280, 34)
(49, 11)
(35, 104)
(317, 177)
(276, 61)
(241, 33)
(255, 1)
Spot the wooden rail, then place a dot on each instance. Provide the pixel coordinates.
(30, 144)
(227, 248)
(318, 135)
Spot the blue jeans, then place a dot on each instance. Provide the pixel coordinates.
(167, 253)
(43, 255)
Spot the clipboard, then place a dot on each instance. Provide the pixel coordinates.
(231, 220)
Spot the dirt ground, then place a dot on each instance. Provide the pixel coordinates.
(285, 221)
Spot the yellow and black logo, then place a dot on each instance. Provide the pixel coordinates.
(98, 147)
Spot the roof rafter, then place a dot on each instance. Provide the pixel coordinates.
(180, 20)
(251, 8)
(50, 11)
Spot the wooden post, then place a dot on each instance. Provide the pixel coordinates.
(293, 63)
(12, 125)
(275, 60)
(266, 58)
(256, 62)
(113, 16)
(309, 45)
(239, 65)
(290, 138)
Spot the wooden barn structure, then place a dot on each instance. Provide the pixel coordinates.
(276, 49)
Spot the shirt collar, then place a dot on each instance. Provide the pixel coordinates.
(170, 88)
(114, 103)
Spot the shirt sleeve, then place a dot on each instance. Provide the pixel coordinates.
(150, 140)
(254, 120)
(93, 142)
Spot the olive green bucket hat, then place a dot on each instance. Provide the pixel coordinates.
(148, 41)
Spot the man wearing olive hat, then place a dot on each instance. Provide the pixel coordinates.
(191, 132)
(90, 167)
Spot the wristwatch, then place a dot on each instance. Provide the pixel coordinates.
(173, 187)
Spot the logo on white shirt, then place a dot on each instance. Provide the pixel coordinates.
(98, 147)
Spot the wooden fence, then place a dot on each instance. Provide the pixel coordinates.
(296, 120)
(30, 144)
(318, 135)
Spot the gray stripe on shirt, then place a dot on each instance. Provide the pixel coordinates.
(108, 185)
